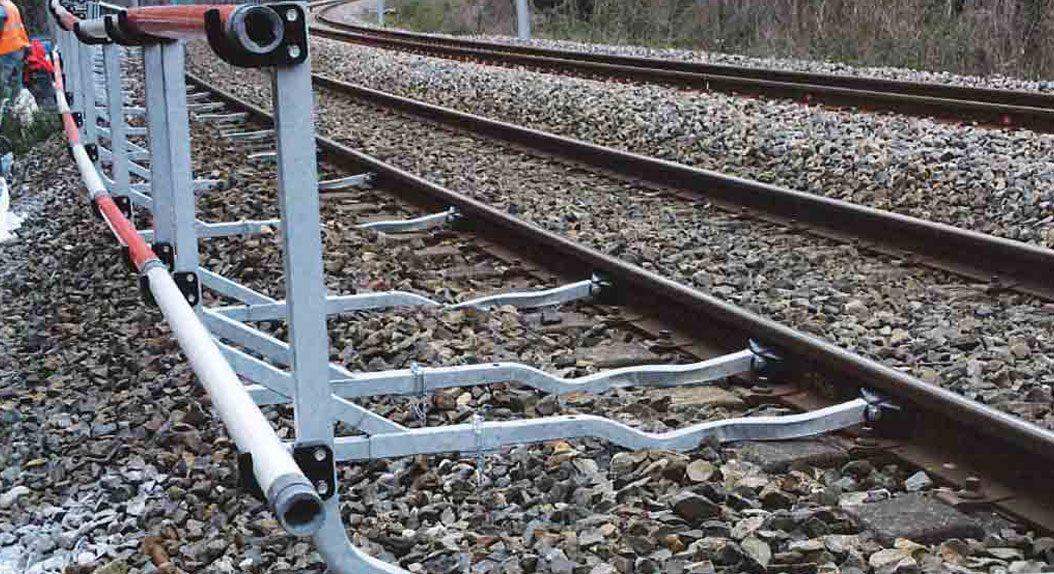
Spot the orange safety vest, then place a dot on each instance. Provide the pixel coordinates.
(13, 36)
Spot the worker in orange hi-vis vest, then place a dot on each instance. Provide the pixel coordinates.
(13, 44)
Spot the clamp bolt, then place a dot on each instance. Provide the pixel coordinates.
(971, 489)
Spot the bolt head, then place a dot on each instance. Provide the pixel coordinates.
(292, 15)
(294, 51)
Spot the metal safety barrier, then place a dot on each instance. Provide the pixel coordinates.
(298, 478)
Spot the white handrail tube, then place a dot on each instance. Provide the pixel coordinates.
(292, 496)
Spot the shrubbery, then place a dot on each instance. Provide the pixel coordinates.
(1011, 37)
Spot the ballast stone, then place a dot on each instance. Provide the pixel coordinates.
(781, 456)
(916, 517)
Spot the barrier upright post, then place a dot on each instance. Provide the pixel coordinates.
(71, 55)
(302, 246)
(171, 182)
(523, 19)
(86, 86)
(111, 54)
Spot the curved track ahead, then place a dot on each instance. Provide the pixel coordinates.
(1031, 110)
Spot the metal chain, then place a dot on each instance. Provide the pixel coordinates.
(418, 405)
(477, 428)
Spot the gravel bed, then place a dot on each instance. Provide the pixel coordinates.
(112, 449)
(996, 348)
(348, 14)
(992, 181)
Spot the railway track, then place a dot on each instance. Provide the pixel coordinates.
(993, 107)
(678, 211)
(940, 422)
(983, 459)
(1000, 263)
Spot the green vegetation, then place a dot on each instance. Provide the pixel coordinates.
(432, 15)
(982, 37)
(23, 136)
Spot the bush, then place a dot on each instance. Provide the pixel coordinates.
(1010, 37)
(23, 136)
(455, 16)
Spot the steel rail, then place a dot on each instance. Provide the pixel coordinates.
(1031, 110)
(974, 254)
(688, 307)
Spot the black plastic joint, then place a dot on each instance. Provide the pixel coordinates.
(604, 290)
(458, 222)
(887, 418)
(247, 479)
(165, 253)
(69, 94)
(318, 465)
(93, 151)
(144, 290)
(316, 461)
(86, 39)
(126, 256)
(124, 204)
(95, 208)
(78, 118)
(119, 31)
(55, 15)
(290, 51)
(189, 285)
(768, 362)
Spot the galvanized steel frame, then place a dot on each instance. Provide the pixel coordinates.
(299, 371)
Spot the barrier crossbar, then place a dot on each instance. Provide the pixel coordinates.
(298, 478)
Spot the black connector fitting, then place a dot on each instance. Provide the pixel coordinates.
(93, 151)
(166, 253)
(126, 255)
(95, 208)
(768, 362)
(316, 461)
(319, 466)
(254, 38)
(888, 419)
(247, 479)
(144, 290)
(118, 30)
(604, 290)
(124, 204)
(189, 285)
(89, 40)
(78, 118)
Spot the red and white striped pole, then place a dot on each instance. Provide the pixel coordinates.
(254, 29)
(290, 493)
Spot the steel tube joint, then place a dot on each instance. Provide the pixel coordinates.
(256, 29)
(297, 504)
